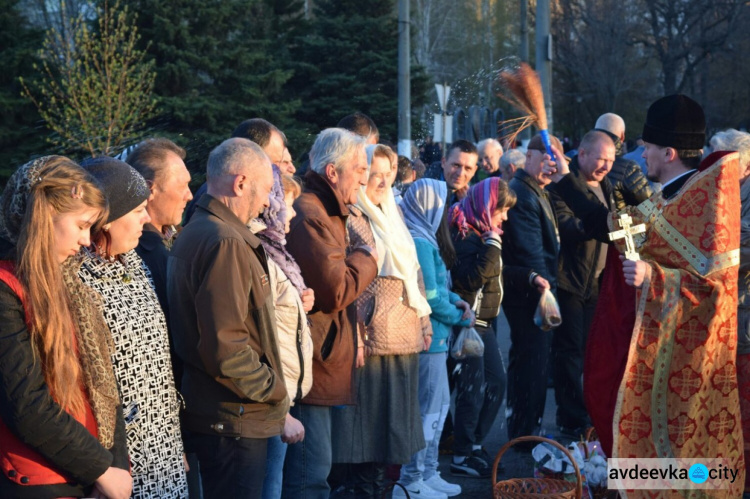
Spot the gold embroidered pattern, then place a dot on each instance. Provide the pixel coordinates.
(699, 263)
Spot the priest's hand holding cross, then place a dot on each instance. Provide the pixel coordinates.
(633, 268)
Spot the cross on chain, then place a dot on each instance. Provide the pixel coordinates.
(627, 232)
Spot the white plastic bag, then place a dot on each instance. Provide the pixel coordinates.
(554, 460)
(468, 343)
(596, 471)
(547, 314)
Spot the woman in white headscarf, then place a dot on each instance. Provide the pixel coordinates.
(393, 327)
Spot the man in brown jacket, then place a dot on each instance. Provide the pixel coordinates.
(224, 328)
(338, 274)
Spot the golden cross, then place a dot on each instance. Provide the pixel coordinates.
(627, 233)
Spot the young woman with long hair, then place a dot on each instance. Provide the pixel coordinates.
(61, 431)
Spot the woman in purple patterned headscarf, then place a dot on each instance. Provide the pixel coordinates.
(292, 299)
(479, 382)
(484, 208)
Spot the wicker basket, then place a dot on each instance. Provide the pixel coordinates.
(596, 492)
(528, 488)
(591, 434)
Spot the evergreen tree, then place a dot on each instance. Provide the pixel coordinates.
(347, 62)
(20, 137)
(218, 63)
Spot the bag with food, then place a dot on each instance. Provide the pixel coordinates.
(547, 314)
(468, 343)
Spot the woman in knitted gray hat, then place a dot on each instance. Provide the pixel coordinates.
(61, 433)
(141, 357)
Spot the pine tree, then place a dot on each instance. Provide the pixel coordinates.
(347, 62)
(218, 63)
(20, 137)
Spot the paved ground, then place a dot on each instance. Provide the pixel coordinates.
(517, 464)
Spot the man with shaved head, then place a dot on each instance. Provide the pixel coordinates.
(222, 315)
(582, 260)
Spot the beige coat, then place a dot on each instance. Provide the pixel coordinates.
(386, 322)
(293, 334)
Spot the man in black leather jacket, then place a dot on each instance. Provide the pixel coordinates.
(631, 187)
(582, 259)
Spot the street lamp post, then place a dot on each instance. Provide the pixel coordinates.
(404, 81)
(544, 55)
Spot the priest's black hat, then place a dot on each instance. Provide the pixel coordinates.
(675, 121)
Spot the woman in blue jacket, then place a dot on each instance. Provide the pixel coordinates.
(425, 216)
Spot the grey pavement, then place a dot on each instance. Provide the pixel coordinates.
(516, 464)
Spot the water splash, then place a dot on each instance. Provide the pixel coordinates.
(483, 90)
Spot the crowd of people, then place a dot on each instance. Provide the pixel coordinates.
(287, 335)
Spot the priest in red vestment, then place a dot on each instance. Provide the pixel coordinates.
(660, 378)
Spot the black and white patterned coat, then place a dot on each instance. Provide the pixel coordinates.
(144, 372)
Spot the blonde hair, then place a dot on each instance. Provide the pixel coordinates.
(291, 186)
(383, 151)
(63, 187)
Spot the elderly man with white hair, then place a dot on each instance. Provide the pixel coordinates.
(630, 184)
(734, 140)
(510, 162)
(490, 151)
(338, 272)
